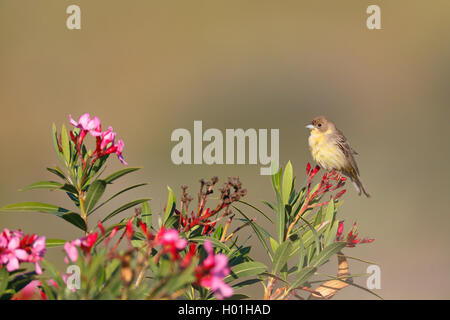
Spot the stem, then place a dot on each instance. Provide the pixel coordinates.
(83, 211)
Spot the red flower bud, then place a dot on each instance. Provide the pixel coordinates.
(129, 229)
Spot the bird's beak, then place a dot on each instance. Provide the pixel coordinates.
(310, 126)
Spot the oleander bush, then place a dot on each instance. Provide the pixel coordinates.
(191, 252)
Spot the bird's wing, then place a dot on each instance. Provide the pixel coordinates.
(342, 143)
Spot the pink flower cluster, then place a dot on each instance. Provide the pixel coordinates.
(85, 244)
(211, 272)
(351, 239)
(105, 139)
(16, 248)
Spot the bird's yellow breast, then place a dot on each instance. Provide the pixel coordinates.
(325, 151)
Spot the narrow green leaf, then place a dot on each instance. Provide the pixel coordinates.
(301, 254)
(4, 275)
(274, 244)
(72, 217)
(315, 234)
(69, 188)
(276, 174)
(260, 232)
(246, 269)
(171, 203)
(327, 253)
(95, 191)
(329, 216)
(146, 214)
(50, 243)
(52, 185)
(57, 171)
(116, 175)
(75, 219)
(215, 242)
(302, 276)
(124, 207)
(252, 206)
(281, 256)
(287, 183)
(33, 207)
(245, 283)
(65, 144)
(331, 237)
(269, 204)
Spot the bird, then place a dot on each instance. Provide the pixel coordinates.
(331, 150)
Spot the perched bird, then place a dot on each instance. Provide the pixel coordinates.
(330, 150)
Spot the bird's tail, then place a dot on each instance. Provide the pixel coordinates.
(359, 186)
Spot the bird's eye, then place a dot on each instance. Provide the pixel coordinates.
(319, 125)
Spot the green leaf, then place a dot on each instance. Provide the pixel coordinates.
(117, 194)
(75, 219)
(43, 185)
(71, 217)
(315, 234)
(246, 269)
(329, 216)
(216, 243)
(287, 183)
(302, 251)
(116, 175)
(146, 214)
(332, 233)
(57, 171)
(33, 207)
(50, 243)
(327, 253)
(280, 211)
(124, 207)
(276, 174)
(56, 145)
(259, 231)
(302, 276)
(252, 206)
(4, 275)
(274, 244)
(281, 256)
(69, 188)
(170, 205)
(95, 191)
(245, 283)
(65, 144)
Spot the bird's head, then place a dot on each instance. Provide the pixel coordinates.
(320, 124)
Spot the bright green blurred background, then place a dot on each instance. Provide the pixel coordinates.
(149, 67)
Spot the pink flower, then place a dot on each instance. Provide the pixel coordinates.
(107, 137)
(85, 244)
(72, 252)
(170, 238)
(12, 253)
(35, 247)
(120, 146)
(15, 248)
(340, 230)
(171, 241)
(212, 271)
(30, 292)
(85, 123)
